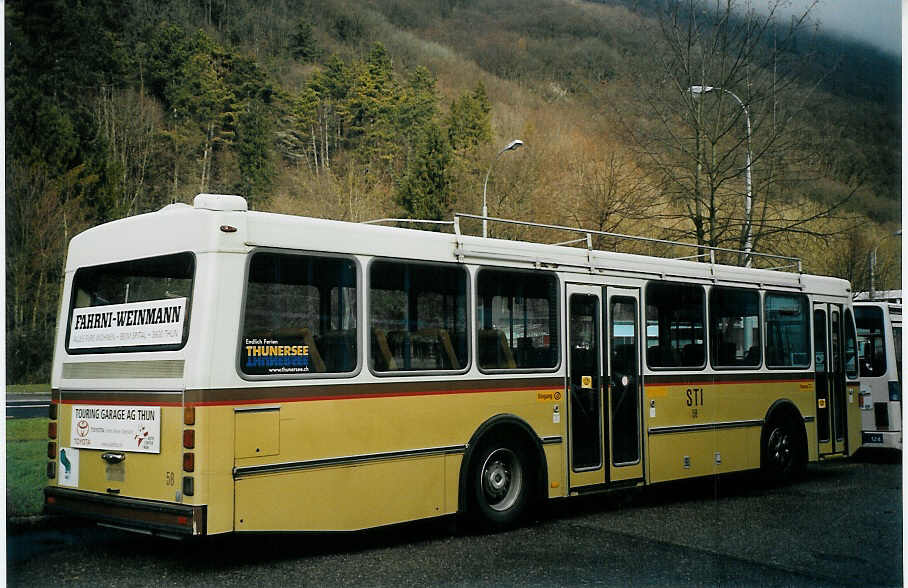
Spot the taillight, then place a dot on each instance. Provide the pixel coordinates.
(188, 415)
(52, 411)
(52, 430)
(188, 462)
(188, 438)
(51, 472)
(52, 450)
(188, 486)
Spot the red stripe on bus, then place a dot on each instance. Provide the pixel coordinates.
(283, 399)
(278, 400)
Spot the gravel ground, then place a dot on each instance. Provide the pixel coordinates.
(840, 525)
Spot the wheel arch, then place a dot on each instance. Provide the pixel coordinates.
(508, 426)
(784, 408)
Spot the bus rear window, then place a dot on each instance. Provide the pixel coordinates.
(137, 305)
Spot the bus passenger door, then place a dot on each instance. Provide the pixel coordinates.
(830, 378)
(585, 422)
(624, 384)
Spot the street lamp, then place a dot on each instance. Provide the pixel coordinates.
(748, 201)
(873, 262)
(515, 144)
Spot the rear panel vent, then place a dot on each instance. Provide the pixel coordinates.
(110, 370)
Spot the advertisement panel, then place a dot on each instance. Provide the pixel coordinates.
(122, 428)
(154, 322)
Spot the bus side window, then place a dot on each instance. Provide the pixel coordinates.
(517, 319)
(675, 325)
(417, 316)
(787, 330)
(300, 315)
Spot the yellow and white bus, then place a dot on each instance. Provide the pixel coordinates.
(879, 328)
(222, 370)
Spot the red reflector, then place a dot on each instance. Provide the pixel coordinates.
(51, 450)
(188, 438)
(228, 229)
(181, 520)
(188, 415)
(188, 462)
(52, 430)
(51, 500)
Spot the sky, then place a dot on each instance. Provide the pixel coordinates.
(877, 22)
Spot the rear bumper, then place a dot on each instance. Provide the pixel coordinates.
(149, 516)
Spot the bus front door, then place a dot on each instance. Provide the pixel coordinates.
(830, 378)
(624, 384)
(584, 387)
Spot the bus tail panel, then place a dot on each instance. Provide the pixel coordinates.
(118, 458)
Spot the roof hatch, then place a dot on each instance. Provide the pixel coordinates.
(220, 202)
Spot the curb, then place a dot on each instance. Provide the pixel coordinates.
(17, 525)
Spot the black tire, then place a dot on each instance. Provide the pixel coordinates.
(499, 484)
(783, 454)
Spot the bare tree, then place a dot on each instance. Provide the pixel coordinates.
(609, 193)
(722, 124)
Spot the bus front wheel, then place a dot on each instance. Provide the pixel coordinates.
(500, 484)
(783, 450)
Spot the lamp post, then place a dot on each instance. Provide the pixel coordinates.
(873, 262)
(515, 144)
(748, 200)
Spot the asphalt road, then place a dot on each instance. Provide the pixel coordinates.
(841, 525)
(22, 406)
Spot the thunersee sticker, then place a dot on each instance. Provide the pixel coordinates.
(154, 322)
(125, 428)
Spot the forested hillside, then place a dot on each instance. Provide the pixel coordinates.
(365, 109)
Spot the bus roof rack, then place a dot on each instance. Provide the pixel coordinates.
(710, 252)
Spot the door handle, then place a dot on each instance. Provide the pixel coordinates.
(113, 457)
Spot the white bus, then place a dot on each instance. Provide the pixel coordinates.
(879, 326)
(222, 370)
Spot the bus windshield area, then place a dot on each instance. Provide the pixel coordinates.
(871, 341)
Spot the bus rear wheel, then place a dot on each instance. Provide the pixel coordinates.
(500, 484)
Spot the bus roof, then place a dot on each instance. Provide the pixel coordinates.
(221, 224)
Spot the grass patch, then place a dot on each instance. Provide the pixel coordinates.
(26, 462)
(28, 389)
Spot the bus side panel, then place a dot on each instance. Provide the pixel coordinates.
(214, 464)
(329, 454)
(673, 452)
(727, 421)
(748, 403)
(342, 498)
(853, 416)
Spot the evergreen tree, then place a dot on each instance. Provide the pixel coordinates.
(302, 41)
(469, 120)
(425, 191)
